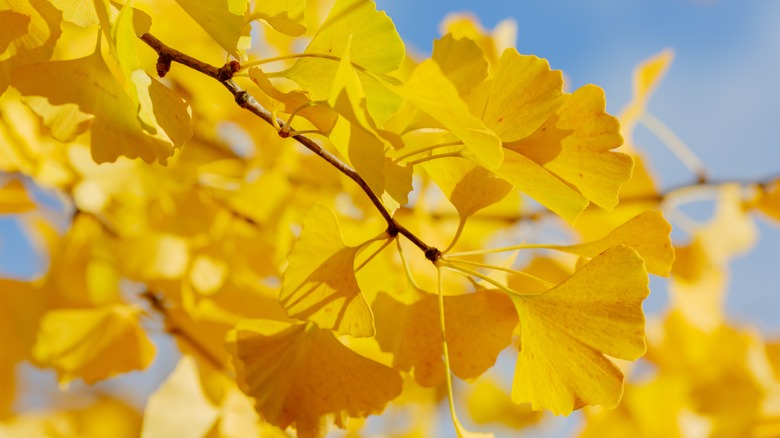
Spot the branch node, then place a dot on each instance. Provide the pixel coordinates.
(432, 254)
(163, 64)
(228, 70)
(242, 98)
(392, 230)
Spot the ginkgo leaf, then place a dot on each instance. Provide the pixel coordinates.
(319, 284)
(179, 406)
(700, 274)
(524, 93)
(14, 198)
(479, 326)
(321, 116)
(493, 43)
(93, 344)
(357, 138)
(35, 44)
(302, 376)
(487, 402)
(315, 74)
(223, 21)
(647, 76)
(78, 12)
(430, 91)
(469, 186)
(461, 61)
(648, 233)
(769, 200)
(353, 135)
(14, 26)
(567, 331)
(125, 39)
(535, 181)
(575, 143)
(116, 129)
(286, 16)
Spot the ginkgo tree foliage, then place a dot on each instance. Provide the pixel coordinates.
(331, 228)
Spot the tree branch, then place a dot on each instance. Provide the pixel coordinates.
(167, 55)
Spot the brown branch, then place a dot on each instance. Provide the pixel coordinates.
(167, 55)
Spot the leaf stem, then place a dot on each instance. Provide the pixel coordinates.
(374, 254)
(405, 264)
(426, 149)
(458, 232)
(675, 144)
(456, 154)
(501, 268)
(298, 56)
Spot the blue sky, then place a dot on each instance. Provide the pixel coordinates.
(721, 95)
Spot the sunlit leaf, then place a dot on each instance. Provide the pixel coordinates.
(647, 233)
(479, 326)
(575, 145)
(223, 21)
(469, 186)
(319, 284)
(303, 376)
(286, 16)
(315, 74)
(93, 344)
(430, 91)
(179, 407)
(524, 93)
(596, 312)
(461, 61)
(35, 44)
(116, 129)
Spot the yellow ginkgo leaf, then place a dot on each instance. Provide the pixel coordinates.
(375, 30)
(524, 93)
(223, 21)
(286, 16)
(648, 233)
(461, 61)
(535, 181)
(40, 26)
(14, 26)
(93, 344)
(479, 326)
(487, 402)
(354, 134)
(179, 406)
(124, 41)
(700, 274)
(567, 331)
(492, 43)
(319, 284)
(431, 92)
(469, 186)
(116, 129)
(78, 12)
(769, 200)
(575, 144)
(14, 198)
(647, 76)
(322, 117)
(302, 376)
